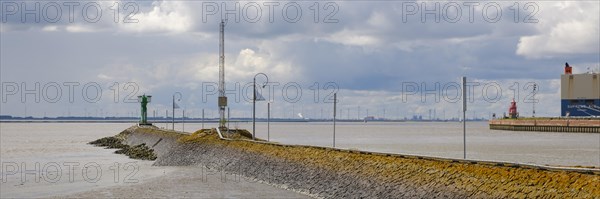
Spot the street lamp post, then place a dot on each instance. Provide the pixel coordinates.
(179, 99)
(254, 103)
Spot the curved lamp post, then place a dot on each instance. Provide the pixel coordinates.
(254, 103)
(178, 99)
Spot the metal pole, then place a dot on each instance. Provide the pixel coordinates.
(464, 95)
(228, 119)
(254, 103)
(166, 119)
(334, 114)
(222, 104)
(534, 91)
(268, 122)
(173, 125)
(254, 110)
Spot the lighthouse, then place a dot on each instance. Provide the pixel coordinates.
(512, 110)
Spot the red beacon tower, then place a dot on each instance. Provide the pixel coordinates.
(512, 110)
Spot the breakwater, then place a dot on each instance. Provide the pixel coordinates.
(547, 125)
(335, 173)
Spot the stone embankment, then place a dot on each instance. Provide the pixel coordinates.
(335, 173)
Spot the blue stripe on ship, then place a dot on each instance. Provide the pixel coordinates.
(580, 107)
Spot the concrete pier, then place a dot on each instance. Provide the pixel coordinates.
(591, 125)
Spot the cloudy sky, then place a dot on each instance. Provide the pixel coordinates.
(393, 58)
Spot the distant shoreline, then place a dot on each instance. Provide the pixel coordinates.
(178, 120)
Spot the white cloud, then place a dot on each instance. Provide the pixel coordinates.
(573, 29)
(50, 28)
(250, 62)
(79, 28)
(165, 16)
(353, 38)
(104, 77)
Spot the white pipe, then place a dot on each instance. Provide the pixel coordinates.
(220, 135)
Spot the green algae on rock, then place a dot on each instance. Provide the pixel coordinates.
(140, 151)
(111, 142)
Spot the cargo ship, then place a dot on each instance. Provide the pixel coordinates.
(580, 94)
(580, 108)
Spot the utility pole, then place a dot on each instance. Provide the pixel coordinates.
(534, 91)
(268, 121)
(175, 106)
(334, 114)
(166, 119)
(173, 118)
(464, 96)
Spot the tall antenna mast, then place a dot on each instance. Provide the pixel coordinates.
(222, 98)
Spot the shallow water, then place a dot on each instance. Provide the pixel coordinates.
(53, 159)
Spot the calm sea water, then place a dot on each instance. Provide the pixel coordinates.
(53, 159)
